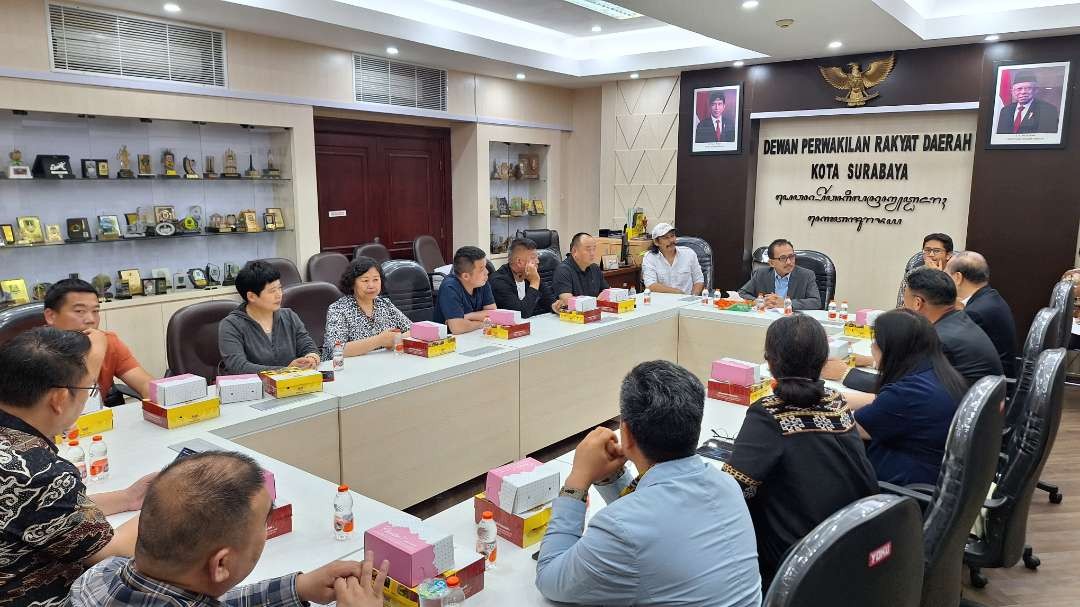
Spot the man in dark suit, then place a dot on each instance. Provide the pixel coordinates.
(984, 304)
(1027, 114)
(517, 284)
(715, 128)
(784, 279)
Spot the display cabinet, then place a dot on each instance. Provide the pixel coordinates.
(518, 191)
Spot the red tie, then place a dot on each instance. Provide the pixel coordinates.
(718, 129)
(1019, 118)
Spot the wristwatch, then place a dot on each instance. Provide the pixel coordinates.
(611, 479)
(578, 494)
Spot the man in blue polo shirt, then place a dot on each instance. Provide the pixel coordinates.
(465, 296)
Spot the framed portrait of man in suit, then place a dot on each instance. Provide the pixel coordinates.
(1030, 105)
(716, 125)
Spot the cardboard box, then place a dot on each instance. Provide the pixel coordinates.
(520, 486)
(416, 552)
(839, 348)
(429, 349)
(851, 330)
(735, 371)
(739, 394)
(279, 522)
(612, 246)
(522, 530)
(581, 303)
(92, 423)
(613, 295)
(580, 318)
(426, 330)
(291, 381)
(177, 389)
(183, 414)
(239, 388)
(617, 307)
(505, 317)
(509, 331)
(470, 573)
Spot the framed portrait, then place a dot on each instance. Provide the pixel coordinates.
(1030, 105)
(716, 126)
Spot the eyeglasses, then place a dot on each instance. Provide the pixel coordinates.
(93, 389)
(784, 258)
(930, 251)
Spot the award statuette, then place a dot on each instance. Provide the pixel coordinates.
(89, 168)
(168, 164)
(102, 283)
(180, 281)
(53, 166)
(108, 227)
(30, 230)
(78, 229)
(230, 171)
(7, 231)
(271, 172)
(53, 234)
(18, 170)
(124, 157)
(146, 168)
(210, 174)
(251, 172)
(231, 270)
(133, 281)
(198, 278)
(15, 291)
(190, 172)
(213, 276)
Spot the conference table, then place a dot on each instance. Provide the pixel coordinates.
(399, 429)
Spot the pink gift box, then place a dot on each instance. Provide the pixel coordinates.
(177, 389)
(426, 330)
(860, 316)
(416, 552)
(505, 317)
(735, 372)
(519, 486)
(271, 484)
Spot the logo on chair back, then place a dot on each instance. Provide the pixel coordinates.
(880, 554)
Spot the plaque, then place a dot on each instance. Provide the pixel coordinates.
(102, 168)
(251, 172)
(161, 285)
(198, 278)
(249, 221)
(15, 291)
(30, 230)
(530, 164)
(124, 156)
(146, 168)
(163, 274)
(108, 227)
(217, 224)
(539, 206)
(168, 164)
(7, 231)
(213, 275)
(180, 281)
(53, 166)
(230, 171)
(149, 286)
(165, 228)
(209, 173)
(102, 283)
(190, 172)
(503, 171)
(53, 235)
(132, 279)
(17, 170)
(123, 290)
(40, 289)
(231, 270)
(271, 171)
(89, 168)
(279, 218)
(78, 229)
(135, 227)
(164, 213)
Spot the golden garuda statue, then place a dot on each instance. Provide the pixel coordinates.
(857, 81)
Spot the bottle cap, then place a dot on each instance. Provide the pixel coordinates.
(73, 433)
(487, 515)
(342, 488)
(73, 443)
(453, 581)
(97, 437)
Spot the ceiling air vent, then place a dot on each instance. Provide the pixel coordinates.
(380, 80)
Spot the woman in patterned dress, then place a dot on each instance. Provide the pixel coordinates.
(362, 320)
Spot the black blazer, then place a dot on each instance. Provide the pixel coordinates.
(504, 288)
(706, 134)
(1041, 117)
(991, 312)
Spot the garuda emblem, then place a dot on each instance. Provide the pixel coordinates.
(857, 81)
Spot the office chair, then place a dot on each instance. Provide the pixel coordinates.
(191, 338)
(374, 250)
(915, 261)
(289, 274)
(1061, 299)
(549, 260)
(1040, 334)
(427, 253)
(326, 267)
(824, 269)
(408, 287)
(310, 301)
(704, 256)
(544, 239)
(16, 319)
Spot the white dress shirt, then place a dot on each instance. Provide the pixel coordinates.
(681, 274)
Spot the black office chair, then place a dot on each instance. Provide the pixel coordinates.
(191, 338)
(289, 274)
(870, 553)
(427, 253)
(544, 239)
(408, 287)
(1043, 328)
(823, 269)
(326, 267)
(704, 256)
(17, 319)
(374, 250)
(916, 261)
(971, 455)
(759, 259)
(310, 301)
(1005, 514)
(548, 261)
(1061, 298)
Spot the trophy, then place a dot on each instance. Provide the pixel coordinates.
(190, 172)
(15, 291)
(124, 157)
(198, 278)
(149, 286)
(168, 163)
(231, 270)
(163, 275)
(268, 222)
(210, 174)
(279, 218)
(123, 290)
(271, 172)
(108, 227)
(217, 224)
(230, 171)
(251, 172)
(146, 169)
(18, 170)
(250, 221)
(230, 223)
(102, 283)
(8, 232)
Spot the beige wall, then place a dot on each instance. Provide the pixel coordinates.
(24, 34)
(639, 146)
(581, 203)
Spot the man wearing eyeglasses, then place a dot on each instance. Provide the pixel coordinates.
(52, 531)
(783, 279)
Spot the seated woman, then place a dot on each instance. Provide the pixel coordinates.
(917, 395)
(259, 334)
(798, 455)
(361, 319)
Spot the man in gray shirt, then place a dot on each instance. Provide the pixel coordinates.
(677, 534)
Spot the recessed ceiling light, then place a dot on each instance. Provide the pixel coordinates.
(171, 7)
(836, 44)
(520, 76)
(750, 4)
(606, 8)
(634, 76)
(597, 29)
(391, 50)
(738, 64)
(992, 38)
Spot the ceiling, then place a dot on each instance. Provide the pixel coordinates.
(551, 41)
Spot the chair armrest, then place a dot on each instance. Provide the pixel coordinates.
(920, 498)
(926, 488)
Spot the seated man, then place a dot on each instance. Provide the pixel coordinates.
(678, 534)
(937, 248)
(579, 273)
(667, 268)
(984, 305)
(516, 285)
(72, 304)
(465, 296)
(52, 531)
(202, 530)
(783, 279)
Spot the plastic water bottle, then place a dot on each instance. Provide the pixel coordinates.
(646, 297)
(832, 309)
(843, 311)
(99, 459)
(431, 592)
(788, 311)
(343, 513)
(633, 291)
(705, 297)
(399, 344)
(486, 538)
(339, 355)
(76, 456)
(759, 303)
(717, 295)
(454, 594)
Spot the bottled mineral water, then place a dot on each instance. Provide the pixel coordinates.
(788, 310)
(843, 311)
(832, 309)
(759, 303)
(455, 596)
(646, 297)
(99, 459)
(76, 456)
(339, 355)
(343, 513)
(486, 538)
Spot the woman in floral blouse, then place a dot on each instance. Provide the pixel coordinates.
(361, 320)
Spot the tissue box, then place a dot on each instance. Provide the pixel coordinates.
(615, 295)
(279, 522)
(93, 423)
(520, 486)
(426, 330)
(738, 394)
(580, 318)
(238, 388)
(862, 332)
(416, 552)
(429, 349)
(183, 414)
(839, 348)
(471, 575)
(581, 303)
(617, 307)
(505, 317)
(291, 381)
(177, 389)
(271, 484)
(509, 331)
(735, 371)
(522, 530)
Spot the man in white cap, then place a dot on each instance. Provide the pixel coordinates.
(667, 268)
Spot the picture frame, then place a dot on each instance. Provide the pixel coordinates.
(89, 168)
(102, 168)
(133, 280)
(108, 227)
(716, 127)
(53, 235)
(610, 262)
(30, 229)
(7, 232)
(1031, 105)
(279, 217)
(250, 221)
(164, 213)
(149, 286)
(530, 164)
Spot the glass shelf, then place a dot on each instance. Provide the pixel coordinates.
(158, 179)
(11, 247)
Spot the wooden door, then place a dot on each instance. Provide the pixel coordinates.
(384, 183)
